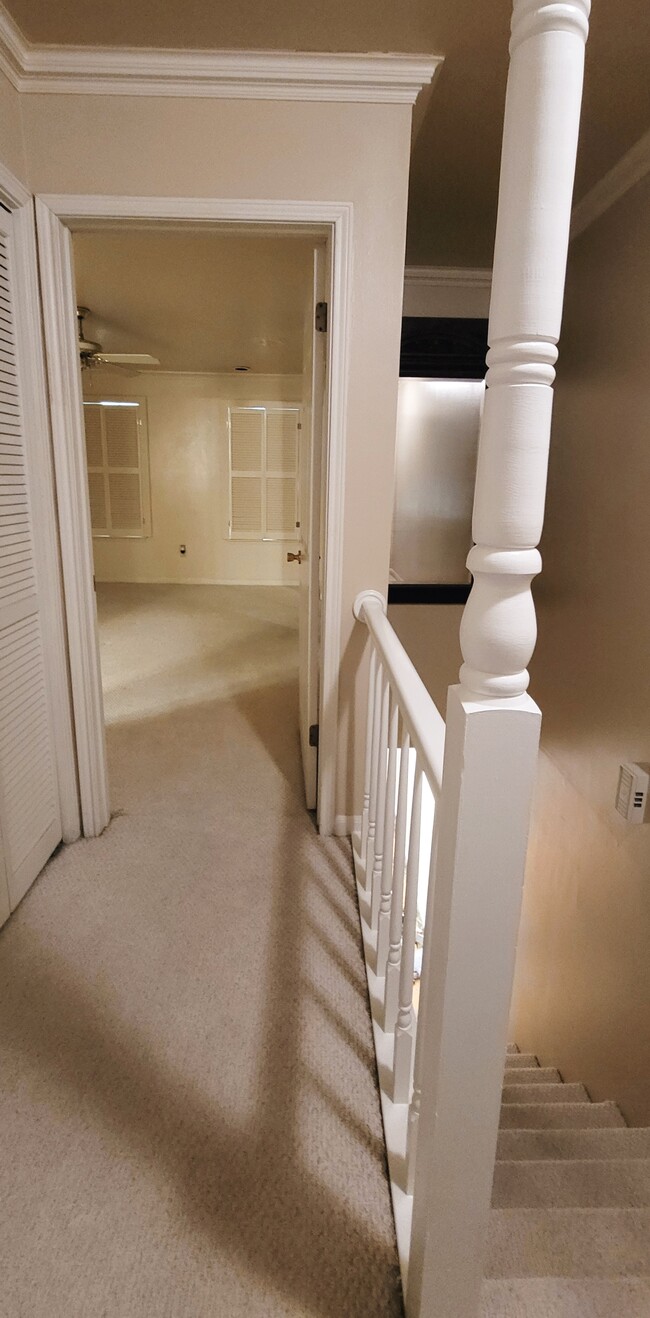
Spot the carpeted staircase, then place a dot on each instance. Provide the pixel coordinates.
(569, 1233)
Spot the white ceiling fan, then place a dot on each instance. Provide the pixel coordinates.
(92, 356)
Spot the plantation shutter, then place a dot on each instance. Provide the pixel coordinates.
(263, 472)
(30, 820)
(117, 469)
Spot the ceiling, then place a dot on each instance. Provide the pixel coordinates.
(456, 157)
(197, 301)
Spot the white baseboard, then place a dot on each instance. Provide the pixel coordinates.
(346, 825)
(189, 581)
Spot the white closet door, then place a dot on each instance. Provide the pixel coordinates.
(30, 822)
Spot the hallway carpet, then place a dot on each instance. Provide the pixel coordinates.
(189, 1117)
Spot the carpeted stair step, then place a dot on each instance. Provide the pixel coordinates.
(617, 1143)
(515, 1060)
(555, 1297)
(572, 1184)
(532, 1075)
(512, 1048)
(559, 1116)
(568, 1242)
(553, 1093)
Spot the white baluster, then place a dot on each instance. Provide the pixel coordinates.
(492, 725)
(375, 891)
(366, 778)
(389, 843)
(374, 765)
(405, 1027)
(391, 987)
(421, 1035)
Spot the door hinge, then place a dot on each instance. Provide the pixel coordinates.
(321, 317)
(313, 734)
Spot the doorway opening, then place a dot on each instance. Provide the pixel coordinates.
(203, 395)
(317, 413)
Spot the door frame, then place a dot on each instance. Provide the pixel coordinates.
(55, 215)
(38, 455)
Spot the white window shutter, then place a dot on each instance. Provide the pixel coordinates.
(121, 426)
(246, 499)
(263, 472)
(246, 439)
(30, 821)
(118, 471)
(282, 441)
(281, 505)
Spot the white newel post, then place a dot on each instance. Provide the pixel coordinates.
(492, 724)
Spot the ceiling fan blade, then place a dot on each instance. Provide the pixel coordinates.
(129, 358)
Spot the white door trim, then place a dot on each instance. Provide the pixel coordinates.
(58, 302)
(70, 463)
(16, 197)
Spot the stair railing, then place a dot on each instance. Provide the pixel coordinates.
(405, 741)
(491, 740)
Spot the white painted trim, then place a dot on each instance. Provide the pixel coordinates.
(196, 581)
(253, 75)
(78, 211)
(334, 218)
(346, 825)
(45, 530)
(58, 302)
(13, 193)
(429, 276)
(13, 47)
(630, 169)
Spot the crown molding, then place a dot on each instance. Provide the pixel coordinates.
(231, 74)
(13, 47)
(430, 276)
(627, 171)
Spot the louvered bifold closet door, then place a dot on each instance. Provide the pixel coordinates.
(30, 820)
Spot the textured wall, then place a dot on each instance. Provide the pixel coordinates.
(582, 995)
(188, 461)
(274, 149)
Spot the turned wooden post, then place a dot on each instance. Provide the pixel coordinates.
(492, 724)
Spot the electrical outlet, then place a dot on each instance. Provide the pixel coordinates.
(632, 793)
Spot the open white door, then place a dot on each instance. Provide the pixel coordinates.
(310, 567)
(30, 814)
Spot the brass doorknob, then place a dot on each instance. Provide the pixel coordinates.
(295, 558)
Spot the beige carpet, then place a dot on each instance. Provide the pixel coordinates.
(569, 1230)
(188, 1110)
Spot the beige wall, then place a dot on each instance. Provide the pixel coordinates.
(188, 460)
(582, 995)
(12, 152)
(352, 153)
(429, 634)
(444, 299)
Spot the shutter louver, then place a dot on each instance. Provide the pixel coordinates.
(30, 823)
(246, 440)
(247, 505)
(93, 426)
(98, 509)
(281, 442)
(280, 505)
(121, 437)
(124, 496)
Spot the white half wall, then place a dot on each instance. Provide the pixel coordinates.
(188, 461)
